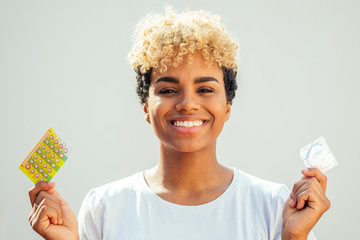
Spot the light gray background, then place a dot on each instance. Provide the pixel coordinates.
(63, 64)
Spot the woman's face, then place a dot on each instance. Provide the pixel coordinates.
(187, 105)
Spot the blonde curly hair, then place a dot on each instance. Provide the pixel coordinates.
(162, 41)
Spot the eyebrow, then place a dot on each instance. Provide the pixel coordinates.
(206, 79)
(197, 80)
(167, 79)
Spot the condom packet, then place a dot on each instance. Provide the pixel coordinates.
(318, 155)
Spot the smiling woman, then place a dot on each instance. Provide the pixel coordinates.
(186, 71)
(183, 95)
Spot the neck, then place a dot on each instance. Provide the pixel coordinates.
(181, 176)
(192, 168)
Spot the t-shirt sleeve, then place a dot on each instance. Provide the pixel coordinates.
(90, 217)
(282, 196)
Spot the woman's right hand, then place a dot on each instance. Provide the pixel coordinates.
(51, 215)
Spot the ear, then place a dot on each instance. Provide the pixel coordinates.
(228, 110)
(146, 113)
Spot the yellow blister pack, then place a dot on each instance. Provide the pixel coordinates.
(46, 158)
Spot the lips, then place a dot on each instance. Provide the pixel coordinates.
(188, 126)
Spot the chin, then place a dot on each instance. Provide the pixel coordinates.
(188, 147)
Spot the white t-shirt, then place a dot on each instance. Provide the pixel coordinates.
(250, 208)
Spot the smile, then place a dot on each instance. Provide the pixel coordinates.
(188, 124)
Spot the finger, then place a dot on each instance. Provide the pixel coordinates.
(303, 198)
(33, 210)
(32, 213)
(292, 202)
(55, 193)
(43, 214)
(314, 172)
(50, 200)
(302, 186)
(296, 186)
(313, 199)
(33, 216)
(310, 182)
(40, 186)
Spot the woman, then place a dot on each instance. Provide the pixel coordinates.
(186, 69)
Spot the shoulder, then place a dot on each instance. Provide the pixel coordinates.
(114, 190)
(262, 199)
(260, 187)
(104, 203)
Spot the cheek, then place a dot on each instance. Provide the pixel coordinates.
(157, 109)
(219, 103)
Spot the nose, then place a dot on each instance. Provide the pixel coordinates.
(187, 102)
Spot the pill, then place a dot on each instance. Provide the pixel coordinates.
(56, 141)
(35, 156)
(40, 161)
(51, 146)
(45, 165)
(65, 150)
(43, 147)
(48, 161)
(36, 166)
(41, 170)
(31, 161)
(32, 170)
(39, 152)
(43, 156)
(45, 175)
(60, 146)
(41, 179)
(51, 137)
(56, 150)
(57, 160)
(53, 165)
(61, 155)
(47, 142)
(52, 155)
(49, 170)
(27, 166)
(37, 175)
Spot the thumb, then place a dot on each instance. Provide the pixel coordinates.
(316, 173)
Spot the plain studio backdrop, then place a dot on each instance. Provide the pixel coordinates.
(63, 65)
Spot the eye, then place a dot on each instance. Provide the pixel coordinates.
(205, 90)
(167, 91)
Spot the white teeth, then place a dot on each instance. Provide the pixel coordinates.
(188, 124)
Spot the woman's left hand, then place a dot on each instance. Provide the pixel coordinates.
(305, 206)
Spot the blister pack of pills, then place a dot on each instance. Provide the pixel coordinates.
(46, 158)
(318, 155)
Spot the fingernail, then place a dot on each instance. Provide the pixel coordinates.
(291, 194)
(60, 221)
(50, 183)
